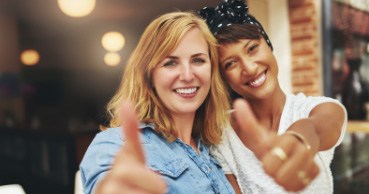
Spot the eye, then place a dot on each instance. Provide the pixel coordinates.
(170, 63)
(252, 48)
(229, 64)
(198, 60)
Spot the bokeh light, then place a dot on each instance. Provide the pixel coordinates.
(30, 57)
(77, 8)
(112, 59)
(113, 41)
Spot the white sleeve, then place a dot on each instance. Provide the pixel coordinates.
(216, 153)
(312, 102)
(222, 152)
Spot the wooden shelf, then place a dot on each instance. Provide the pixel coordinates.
(42, 162)
(357, 126)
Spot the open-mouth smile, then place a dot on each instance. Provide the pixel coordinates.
(258, 81)
(186, 91)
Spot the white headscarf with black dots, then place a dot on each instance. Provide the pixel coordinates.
(230, 12)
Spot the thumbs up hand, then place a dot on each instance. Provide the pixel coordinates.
(129, 173)
(283, 157)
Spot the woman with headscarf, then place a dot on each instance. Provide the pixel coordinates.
(278, 142)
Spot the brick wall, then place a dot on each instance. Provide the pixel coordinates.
(306, 74)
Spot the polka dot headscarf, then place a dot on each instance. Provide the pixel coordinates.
(230, 12)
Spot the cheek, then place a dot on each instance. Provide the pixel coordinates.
(275, 69)
(205, 73)
(273, 65)
(154, 79)
(162, 84)
(231, 77)
(158, 80)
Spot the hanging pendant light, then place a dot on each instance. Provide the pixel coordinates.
(77, 8)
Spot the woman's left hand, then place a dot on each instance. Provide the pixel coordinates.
(129, 173)
(283, 157)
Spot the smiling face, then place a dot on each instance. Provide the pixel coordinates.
(182, 80)
(250, 68)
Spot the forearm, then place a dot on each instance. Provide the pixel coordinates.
(308, 132)
(328, 133)
(323, 128)
(233, 180)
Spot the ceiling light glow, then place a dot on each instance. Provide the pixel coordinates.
(30, 57)
(113, 41)
(77, 8)
(112, 59)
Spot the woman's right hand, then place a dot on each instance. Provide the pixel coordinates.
(129, 173)
(283, 157)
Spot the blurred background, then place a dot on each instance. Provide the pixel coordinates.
(62, 60)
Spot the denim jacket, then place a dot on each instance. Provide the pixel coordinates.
(184, 170)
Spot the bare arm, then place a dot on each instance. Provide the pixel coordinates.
(323, 127)
(328, 119)
(284, 158)
(233, 180)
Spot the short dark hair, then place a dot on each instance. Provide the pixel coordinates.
(235, 32)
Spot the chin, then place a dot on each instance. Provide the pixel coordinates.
(188, 109)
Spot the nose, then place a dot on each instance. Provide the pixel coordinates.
(249, 67)
(186, 73)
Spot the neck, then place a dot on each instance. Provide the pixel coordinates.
(184, 125)
(269, 110)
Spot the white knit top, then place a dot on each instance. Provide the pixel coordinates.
(236, 159)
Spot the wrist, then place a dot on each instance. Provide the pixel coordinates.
(305, 131)
(301, 138)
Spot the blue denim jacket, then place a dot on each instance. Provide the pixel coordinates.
(183, 169)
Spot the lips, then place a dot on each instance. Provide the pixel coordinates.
(186, 91)
(258, 81)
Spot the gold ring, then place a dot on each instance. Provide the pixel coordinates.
(302, 176)
(279, 152)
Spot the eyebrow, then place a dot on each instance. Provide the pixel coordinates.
(244, 47)
(247, 44)
(171, 57)
(200, 54)
(194, 55)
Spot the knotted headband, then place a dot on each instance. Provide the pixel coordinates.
(230, 12)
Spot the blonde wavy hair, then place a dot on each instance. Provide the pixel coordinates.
(159, 39)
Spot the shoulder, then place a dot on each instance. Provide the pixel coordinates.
(300, 106)
(302, 103)
(301, 98)
(110, 134)
(115, 135)
(107, 143)
(101, 153)
(99, 157)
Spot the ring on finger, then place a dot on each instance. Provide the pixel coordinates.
(303, 177)
(280, 153)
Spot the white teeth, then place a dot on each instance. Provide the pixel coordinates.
(258, 81)
(186, 90)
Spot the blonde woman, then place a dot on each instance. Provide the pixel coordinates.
(173, 83)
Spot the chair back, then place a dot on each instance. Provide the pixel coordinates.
(78, 188)
(11, 189)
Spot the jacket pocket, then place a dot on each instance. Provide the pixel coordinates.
(173, 168)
